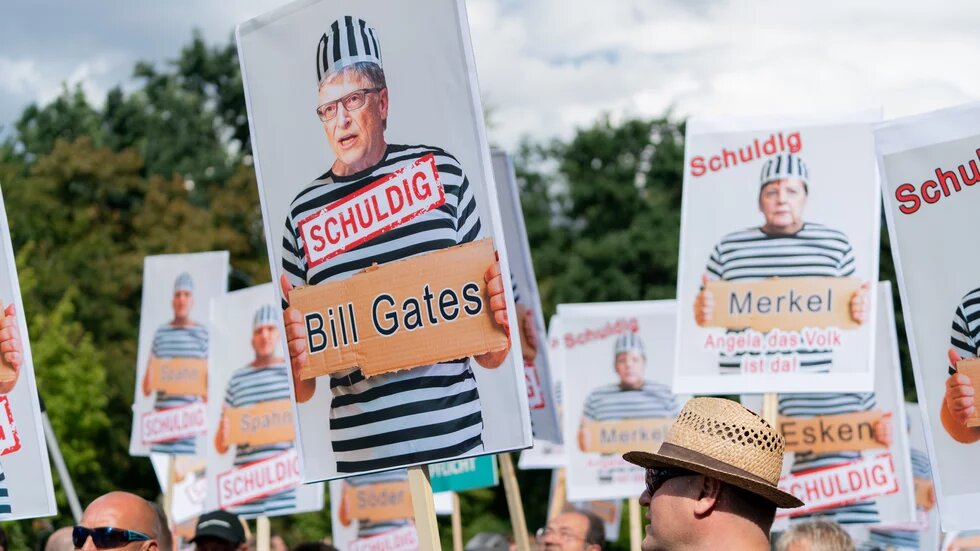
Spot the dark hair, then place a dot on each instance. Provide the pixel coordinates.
(372, 72)
(596, 532)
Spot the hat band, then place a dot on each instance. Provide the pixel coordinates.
(686, 454)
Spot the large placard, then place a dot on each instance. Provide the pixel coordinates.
(617, 378)
(778, 256)
(253, 468)
(929, 167)
(373, 512)
(363, 160)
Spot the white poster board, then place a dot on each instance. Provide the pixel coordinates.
(190, 485)
(305, 166)
(617, 394)
(544, 454)
(253, 465)
(928, 164)
(373, 512)
(174, 340)
(26, 489)
(537, 363)
(791, 199)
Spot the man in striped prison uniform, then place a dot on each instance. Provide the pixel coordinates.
(905, 540)
(784, 246)
(12, 352)
(428, 413)
(959, 400)
(365, 527)
(813, 404)
(180, 338)
(633, 397)
(265, 379)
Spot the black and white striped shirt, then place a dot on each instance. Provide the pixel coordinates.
(612, 403)
(170, 341)
(425, 414)
(752, 255)
(810, 405)
(249, 386)
(965, 332)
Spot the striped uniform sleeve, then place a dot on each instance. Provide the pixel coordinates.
(591, 406)
(467, 217)
(715, 267)
(230, 398)
(846, 266)
(964, 330)
(293, 260)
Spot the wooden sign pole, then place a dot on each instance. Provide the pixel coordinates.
(457, 519)
(425, 509)
(514, 504)
(636, 524)
(558, 497)
(168, 494)
(770, 409)
(263, 534)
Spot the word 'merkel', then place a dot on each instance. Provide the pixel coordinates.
(338, 327)
(791, 302)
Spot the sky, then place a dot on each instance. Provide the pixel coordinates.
(547, 67)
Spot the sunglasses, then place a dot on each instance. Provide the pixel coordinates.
(657, 476)
(105, 537)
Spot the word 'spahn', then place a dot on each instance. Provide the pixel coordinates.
(418, 311)
(786, 303)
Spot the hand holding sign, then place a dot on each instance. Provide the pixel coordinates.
(959, 401)
(704, 303)
(860, 305)
(498, 306)
(883, 430)
(296, 342)
(11, 350)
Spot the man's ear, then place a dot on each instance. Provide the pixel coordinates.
(383, 103)
(708, 496)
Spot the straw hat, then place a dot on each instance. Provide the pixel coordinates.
(722, 439)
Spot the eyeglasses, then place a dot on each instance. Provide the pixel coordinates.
(105, 537)
(352, 102)
(657, 476)
(563, 534)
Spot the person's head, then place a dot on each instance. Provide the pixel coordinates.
(783, 191)
(60, 540)
(265, 332)
(183, 296)
(118, 520)
(219, 531)
(630, 358)
(572, 530)
(352, 94)
(276, 543)
(815, 535)
(714, 476)
(165, 537)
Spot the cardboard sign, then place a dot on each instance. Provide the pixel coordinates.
(626, 435)
(971, 368)
(418, 311)
(831, 433)
(405, 538)
(264, 423)
(259, 479)
(187, 376)
(379, 502)
(925, 499)
(9, 439)
(841, 484)
(605, 510)
(173, 423)
(789, 303)
(463, 474)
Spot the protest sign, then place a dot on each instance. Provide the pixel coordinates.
(461, 475)
(174, 339)
(26, 489)
(358, 204)
(373, 512)
(929, 164)
(544, 454)
(534, 346)
(778, 255)
(187, 496)
(847, 454)
(253, 467)
(617, 372)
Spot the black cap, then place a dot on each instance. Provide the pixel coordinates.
(219, 524)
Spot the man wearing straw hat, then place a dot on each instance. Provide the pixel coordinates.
(265, 379)
(713, 482)
(633, 397)
(376, 423)
(181, 337)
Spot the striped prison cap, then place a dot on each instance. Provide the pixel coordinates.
(265, 315)
(784, 165)
(348, 41)
(629, 341)
(184, 282)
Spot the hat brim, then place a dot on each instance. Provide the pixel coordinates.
(671, 455)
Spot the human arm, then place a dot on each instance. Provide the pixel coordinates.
(959, 404)
(221, 435)
(296, 343)
(704, 303)
(498, 306)
(11, 347)
(860, 303)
